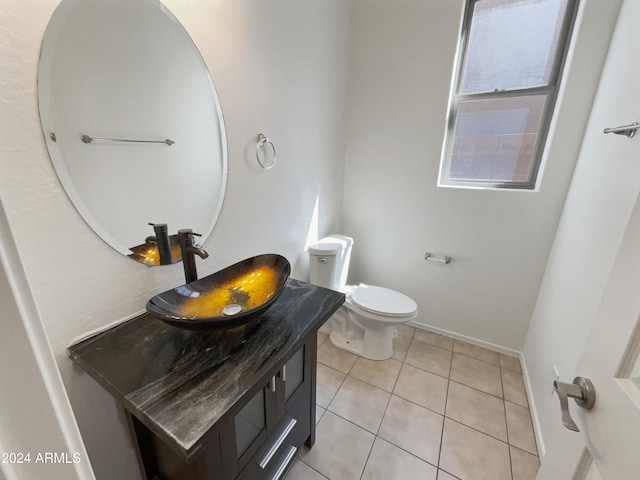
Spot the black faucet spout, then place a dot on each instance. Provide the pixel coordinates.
(189, 249)
(162, 242)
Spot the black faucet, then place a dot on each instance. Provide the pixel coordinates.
(162, 242)
(189, 249)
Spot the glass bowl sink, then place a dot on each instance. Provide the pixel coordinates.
(233, 296)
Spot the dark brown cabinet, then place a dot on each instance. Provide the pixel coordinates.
(218, 404)
(260, 441)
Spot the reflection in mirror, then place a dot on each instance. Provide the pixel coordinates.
(132, 121)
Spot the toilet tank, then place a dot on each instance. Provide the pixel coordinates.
(329, 261)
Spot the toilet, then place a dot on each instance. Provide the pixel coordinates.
(365, 323)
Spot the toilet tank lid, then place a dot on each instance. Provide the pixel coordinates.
(330, 245)
(325, 248)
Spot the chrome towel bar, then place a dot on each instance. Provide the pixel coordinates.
(429, 257)
(628, 130)
(88, 139)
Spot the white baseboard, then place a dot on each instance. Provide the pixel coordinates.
(464, 338)
(506, 351)
(532, 408)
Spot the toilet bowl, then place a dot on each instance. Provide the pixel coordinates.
(365, 323)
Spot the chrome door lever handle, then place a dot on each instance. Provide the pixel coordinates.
(581, 390)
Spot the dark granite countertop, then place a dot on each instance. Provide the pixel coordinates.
(184, 384)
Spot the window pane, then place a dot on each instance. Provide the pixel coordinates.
(512, 44)
(494, 140)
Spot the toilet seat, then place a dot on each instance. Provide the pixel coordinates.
(383, 301)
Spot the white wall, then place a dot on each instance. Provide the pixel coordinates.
(280, 69)
(402, 58)
(35, 415)
(602, 195)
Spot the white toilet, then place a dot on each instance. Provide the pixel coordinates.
(365, 323)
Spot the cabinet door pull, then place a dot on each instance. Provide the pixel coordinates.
(284, 373)
(273, 384)
(285, 461)
(277, 443)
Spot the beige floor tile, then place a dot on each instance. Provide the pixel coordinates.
(388, 462)
(424, 388)
(360, 403)
(319, 412)
(301, 471)
(477, 410)
(322, 337)
(442, 475)
(524, 466)
(405, 331)
(327, 384)
(472, 455)
(434, 339)
(335, 357)
(412, 428)
(477, 374)
(380, 373)
(479, 353)
(513, 387)
(428, 357)
(341, 449)
(510, 363)
(520, 427)
(400, 347)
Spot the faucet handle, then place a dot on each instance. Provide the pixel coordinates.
(185, 237)
(187, 232)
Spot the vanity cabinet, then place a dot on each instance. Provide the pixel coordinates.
(265, 435)
(223, 404)
(259, 442)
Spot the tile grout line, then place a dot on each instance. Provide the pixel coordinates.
(459, 382)
(444, 413)
(444, 416)
(375, 435)
(506, 423)
(469, 356)
(303, 462)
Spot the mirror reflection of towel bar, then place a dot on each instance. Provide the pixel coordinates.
(88, 139)
(628, 130)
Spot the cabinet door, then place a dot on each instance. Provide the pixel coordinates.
(293, 375)
(251, 423)
(242, 437)
(274, 422)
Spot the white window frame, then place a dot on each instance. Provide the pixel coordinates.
(456, 97)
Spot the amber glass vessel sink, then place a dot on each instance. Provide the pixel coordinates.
(233, 296)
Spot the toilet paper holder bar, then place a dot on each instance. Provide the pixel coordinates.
(429, 257)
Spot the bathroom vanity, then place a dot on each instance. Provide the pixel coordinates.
(216, 404)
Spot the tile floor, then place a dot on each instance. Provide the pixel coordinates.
(440, 409)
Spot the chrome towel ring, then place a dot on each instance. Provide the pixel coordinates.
(262, 141)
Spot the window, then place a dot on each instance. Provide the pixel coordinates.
(512, 53)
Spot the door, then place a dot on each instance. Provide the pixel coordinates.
(610, 431)
(609, 436)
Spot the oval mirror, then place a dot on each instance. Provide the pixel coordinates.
(131, 119)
